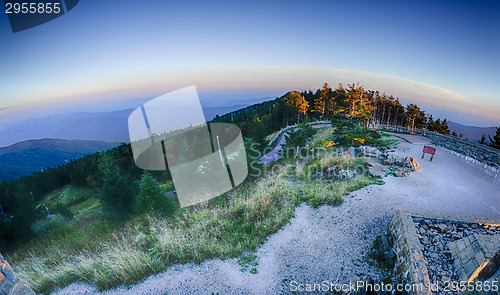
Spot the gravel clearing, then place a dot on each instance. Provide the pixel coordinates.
(329, 243)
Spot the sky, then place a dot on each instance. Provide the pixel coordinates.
(442, 55)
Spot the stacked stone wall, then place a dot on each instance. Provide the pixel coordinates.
(410, 266)
(10, 283)
(468, 149)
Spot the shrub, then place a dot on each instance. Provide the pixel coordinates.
(43, 226)
(116, 189)
(152, 198)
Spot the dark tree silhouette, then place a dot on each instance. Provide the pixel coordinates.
(495, 141)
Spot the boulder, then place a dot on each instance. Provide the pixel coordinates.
(354, 151)
(393, 159)
(369, 151)
(411, 163)
(402, 172)
(346, 174)
(331, 169)
(442, 228)
(372, 161)
(376, 171)
(375, 134)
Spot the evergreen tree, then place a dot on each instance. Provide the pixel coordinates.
(357, 105)
(151, 197)
(116, 188)
(296, 101)
(483, 139)
(495, 141)
(444, 127)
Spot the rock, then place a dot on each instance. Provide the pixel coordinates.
(410, 162)
(353, 151)
(396, 160)
(376, 171)
(372, 161)
(375, 134)
(401, 172)
(369, 151)
(346, 174)
(318, 175)
(442, 228)
(331, 169)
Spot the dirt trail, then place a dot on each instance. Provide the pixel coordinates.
(273, 154)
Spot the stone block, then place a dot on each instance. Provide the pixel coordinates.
(470, 267)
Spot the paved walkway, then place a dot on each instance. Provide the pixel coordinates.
(273, 154)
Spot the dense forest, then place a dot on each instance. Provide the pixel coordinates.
(353, 103)
(115, 179)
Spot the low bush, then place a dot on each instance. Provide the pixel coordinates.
(43, 226)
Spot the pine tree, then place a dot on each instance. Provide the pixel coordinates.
(151, 197)
(483, 139)
(296, 101)
(116, 189)
(495, 141)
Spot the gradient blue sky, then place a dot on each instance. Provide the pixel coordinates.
(442, 55)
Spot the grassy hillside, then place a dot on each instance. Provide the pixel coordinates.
(85, 246)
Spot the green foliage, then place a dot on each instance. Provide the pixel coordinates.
(440, 127)
(44, 225)
(297, 138)
(495, 141)
(152, 198)
(116, 188)
(320, 137)
(67, 196)
(354, 135)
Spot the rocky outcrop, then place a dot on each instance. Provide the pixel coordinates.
(346, 174)
(411, 163)
(10, 283)
(369, 151)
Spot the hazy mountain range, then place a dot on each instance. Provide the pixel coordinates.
(54, 140)
(50, 141)
(30, 156)
(109, 126)
(471, 132)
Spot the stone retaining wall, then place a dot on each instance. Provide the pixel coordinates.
(10, 283)
(468, 149)
(410, 266)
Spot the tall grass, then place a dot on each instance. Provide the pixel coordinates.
(234, 224)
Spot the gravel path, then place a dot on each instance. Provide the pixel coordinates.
(273, 154)
(328, 243)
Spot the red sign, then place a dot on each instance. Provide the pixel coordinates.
(429, 150)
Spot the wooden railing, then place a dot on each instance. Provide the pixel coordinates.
(398, 129)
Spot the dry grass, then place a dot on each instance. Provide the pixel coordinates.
(235, 223)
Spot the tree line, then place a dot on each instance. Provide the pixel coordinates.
(117, 181)
(352, 103)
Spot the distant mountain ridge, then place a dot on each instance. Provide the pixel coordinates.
(473, 133)
(30, 156)
(101, 126)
